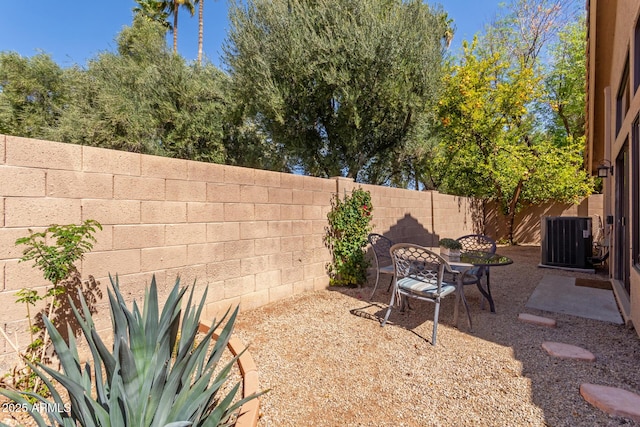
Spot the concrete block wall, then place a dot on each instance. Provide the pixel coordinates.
(526, 228)
(251, 236)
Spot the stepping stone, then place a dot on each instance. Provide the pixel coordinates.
(537, 320)
(568, 351)
(612, 400)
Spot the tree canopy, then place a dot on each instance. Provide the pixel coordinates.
(340, 85)
(495, 143)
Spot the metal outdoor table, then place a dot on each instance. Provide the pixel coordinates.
(480, 259)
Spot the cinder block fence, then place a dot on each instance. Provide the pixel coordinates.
(251, 236)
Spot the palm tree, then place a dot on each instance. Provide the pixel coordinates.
(200, 4)
(175, 6)
(153, 10)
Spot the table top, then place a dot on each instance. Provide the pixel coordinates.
(485, 259)
(476, 258)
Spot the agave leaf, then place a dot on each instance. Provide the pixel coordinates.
(45, 379)
(151, 314)
(191, 319)
(170, 312)
(197, 398)
(118, 319)
(156, 375)
(81, 404)
(155, 392)
(18, 398)
(173, 385)
(137, 343)
(222, 409)
(190, 327)
(98, 350)
(196, 358)
(192, 399)
(69, 359)
(128, 371)
(117, 407)
(83, 407)
(54, 417)
(179, 424)
(223, 338)
(86, 372)
(187, 332)
(106, 357)
(232, 408)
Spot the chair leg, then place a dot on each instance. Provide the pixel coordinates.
(386, 317)
(435, 322)
(376, 285)
(390, 283)
(460, 296)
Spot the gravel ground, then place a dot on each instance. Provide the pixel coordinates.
(328, 362)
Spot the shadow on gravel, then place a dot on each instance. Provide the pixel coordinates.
(555, 382)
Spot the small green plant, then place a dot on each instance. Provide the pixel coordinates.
(349, 225)
(154, 375)
(57, 262)
(450, 243)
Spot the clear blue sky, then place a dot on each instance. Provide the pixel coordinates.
(73, 32)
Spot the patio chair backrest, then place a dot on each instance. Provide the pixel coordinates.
(418, 263)
(381, 246)
(477, 242)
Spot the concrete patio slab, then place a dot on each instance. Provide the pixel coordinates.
(559, 294)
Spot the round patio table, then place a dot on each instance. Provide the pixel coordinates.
(484, 259)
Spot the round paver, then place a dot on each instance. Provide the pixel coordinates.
(568, 351)
(612, 400)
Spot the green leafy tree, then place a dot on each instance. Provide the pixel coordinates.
(494, 144)
(566, 82)
(146, 99)
(33, 92)
(491, 146)
(339, 85)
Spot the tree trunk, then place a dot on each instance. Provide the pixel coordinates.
(176, 6)
(511, 214)
(200, 29)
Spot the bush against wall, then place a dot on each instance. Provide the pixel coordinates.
(349, 225)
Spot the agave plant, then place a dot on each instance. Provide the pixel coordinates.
(155, 375)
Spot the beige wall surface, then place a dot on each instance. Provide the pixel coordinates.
(527, 222)
(251, 236)
(614, 57)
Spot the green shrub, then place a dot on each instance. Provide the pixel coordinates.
(349, 226)
(54, 251)
(155, 374)
(450, 243)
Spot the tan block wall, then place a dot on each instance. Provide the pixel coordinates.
(527, 222)
(251, 236)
